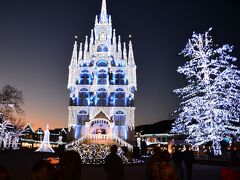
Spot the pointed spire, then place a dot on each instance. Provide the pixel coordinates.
(85, 48)
(80, 53)
(119, 44)
(96, 20)
(91, 38)
(119, 47)
(110, 19)
(124, 51)
(86, 44)
(74, 53)
(114, 39)
(131, 60)
(103, 15)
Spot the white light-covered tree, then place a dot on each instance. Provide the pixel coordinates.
(209, 108)
(9, 132)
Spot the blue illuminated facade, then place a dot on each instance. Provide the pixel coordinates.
(102, 83)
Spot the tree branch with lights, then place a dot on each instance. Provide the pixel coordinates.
(209, 108)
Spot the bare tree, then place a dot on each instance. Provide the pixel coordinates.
(11, 102)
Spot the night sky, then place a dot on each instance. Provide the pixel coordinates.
(37, 36)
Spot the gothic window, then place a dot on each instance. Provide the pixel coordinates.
(83, 99)
(120, 77)
(120, 97)
(85, 77)
(102, 77)
(83, 112)
(82, 117)
(120, 118)
(102, 48)
(101, 98)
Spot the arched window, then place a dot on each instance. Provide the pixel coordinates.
(119, 113)
(84, 71)
(85, 77)
(83, 97)
(102, 77)
(120, 90)
(101, 97)
(82, 117)
(102, 63)
(102, 48)
(120, 77)
(82, 112)
(119, 118)
(102, 90)
(120, 97)
(84, 89)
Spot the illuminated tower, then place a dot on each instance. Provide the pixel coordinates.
(102, 83)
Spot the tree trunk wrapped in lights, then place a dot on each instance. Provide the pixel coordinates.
(209, 108)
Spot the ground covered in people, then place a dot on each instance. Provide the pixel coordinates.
(19, 164)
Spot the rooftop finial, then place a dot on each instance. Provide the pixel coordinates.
(74, 53)
(119, 44)
(96, 19)
(131, 61)
(103, 15)
(80, 53)
(124, 51)
(114, 37)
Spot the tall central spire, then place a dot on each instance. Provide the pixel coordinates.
(103, 15)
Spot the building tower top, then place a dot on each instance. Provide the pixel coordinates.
(103, 15)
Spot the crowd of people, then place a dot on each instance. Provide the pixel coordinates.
(164, 166)
(160, 166)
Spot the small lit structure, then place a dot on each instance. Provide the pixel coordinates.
(45, 144)
(32, 139)
(156, 138)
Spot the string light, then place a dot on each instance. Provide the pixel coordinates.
(209, 107)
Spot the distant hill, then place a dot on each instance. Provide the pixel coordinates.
(156, 128)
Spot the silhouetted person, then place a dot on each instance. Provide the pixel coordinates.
(188, 158)
(70, 166)
(143, 148)
(177, 159)
(42, 170)
(154, 159)
(4, 175)
(234, 156)
(163, 169)
(114, 165)
(209, 154)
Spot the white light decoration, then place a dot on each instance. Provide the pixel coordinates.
(9, 135)
(96, 153)
(101, 82)
(209, 108)
(45, 144)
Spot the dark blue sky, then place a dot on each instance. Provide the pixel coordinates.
(36, 40)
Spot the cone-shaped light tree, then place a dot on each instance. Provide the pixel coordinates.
(209, 108)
